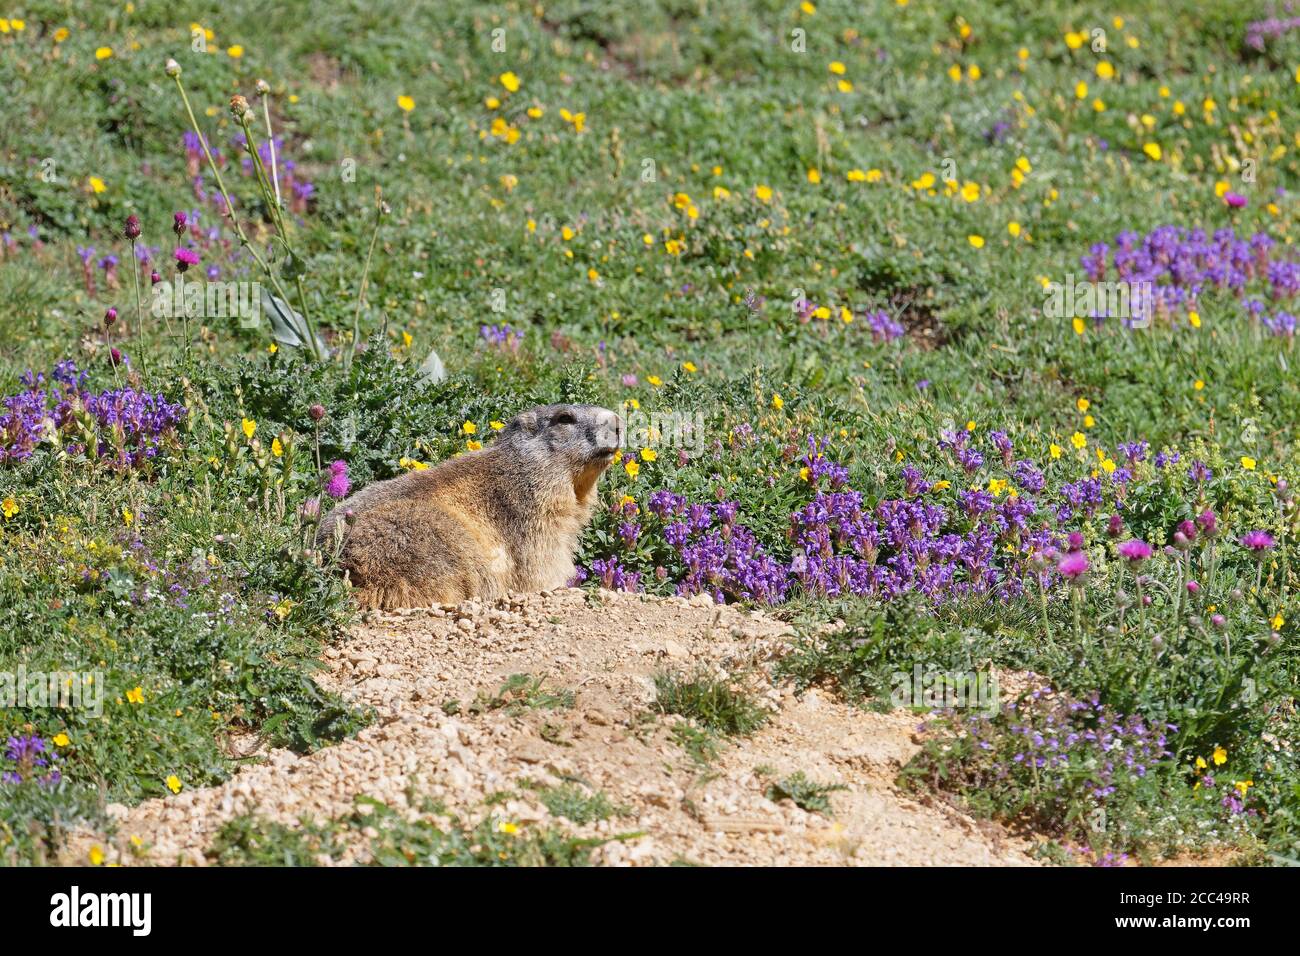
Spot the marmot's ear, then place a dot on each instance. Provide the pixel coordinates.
(529, 422)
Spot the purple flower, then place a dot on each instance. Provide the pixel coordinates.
(1073, 566)
(1257, 541)
(338, 485)
(186, 258)
(1135, 550)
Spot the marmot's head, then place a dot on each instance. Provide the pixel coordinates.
(578, 440)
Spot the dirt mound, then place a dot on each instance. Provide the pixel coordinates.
(459, 724)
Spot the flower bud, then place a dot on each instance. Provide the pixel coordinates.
(154, 278)
(132, 229)
(263, 87)
(110, 317)
(1219, 621)
(179, 221)
(1193, 587)
(172, 68)
(239, 107)
(317, 412)
(1157, 643)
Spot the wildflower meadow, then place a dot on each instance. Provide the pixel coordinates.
(958, 337)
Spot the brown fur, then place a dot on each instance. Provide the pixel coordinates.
(505, 518)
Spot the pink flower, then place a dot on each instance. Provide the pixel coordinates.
(1135, 550)
(1235, 200)
(186, 258)
(1073, 566)
(1257, 541)
(338, 485)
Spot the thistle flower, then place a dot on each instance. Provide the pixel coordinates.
(1257, 541)
(186, 258)
(179, 221)
(338, 484)
(317, 412)
(1073, 566)
(1135, 550)
(132, 229)
(110, 317)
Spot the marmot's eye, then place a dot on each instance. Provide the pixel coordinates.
(564, 418)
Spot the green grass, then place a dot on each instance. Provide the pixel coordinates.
(205, 610)
(803, 792)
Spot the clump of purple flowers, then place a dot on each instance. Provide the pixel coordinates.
(29, 758)
(1054, 756)
(122, 428)
(1183, 265)
(503, 336)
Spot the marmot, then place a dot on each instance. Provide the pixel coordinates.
(504, 518)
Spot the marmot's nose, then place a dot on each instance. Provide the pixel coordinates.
(609, 431)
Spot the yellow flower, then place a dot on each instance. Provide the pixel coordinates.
(1194, 318)
(1078, 326)
(1081, 90)
(807, 8)
(1247, 462)
(468, 428)
(593, 275)
(689, 367)
(778, 402)
(406, 103)
(566, 233)
(135, 695)
(9, 507)
(1014, 229)
(277, 449)
(649, 454)
(1054, 450)
(1075, 40)
(1198, 384)
(473, 445)
(96, 856)
(654, 380)
(805, 473)
(496, 426)
(1105, 69)
(974, 72)
(1220, 756)
(1089, 421)
(1277, 622)
(814, 176)
(1083, 404)
(509, 81)
(492, 103)
(970, 191)
(61, 740)
(103, 53)
(1153, 151)
(837, 67)
(249, 427)
(632, 469)
(1078, 441)
(954, 73)
(764, 193)
(61, 34)
(96, 184)
(174, 783)
(976, 241)
(924, 181)
(942, 485)
(127, 516)
(235, 52)
(507, 827)
(1243, 785)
